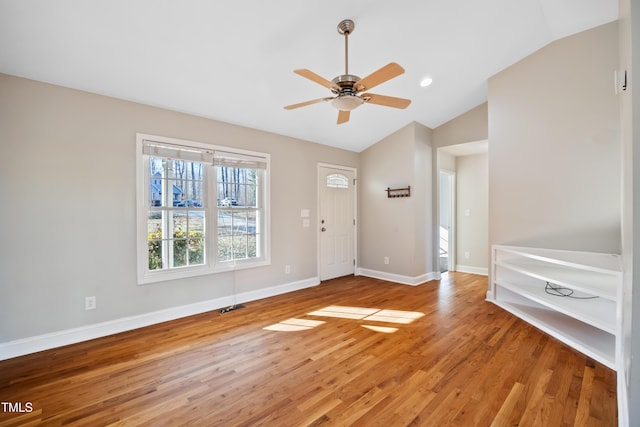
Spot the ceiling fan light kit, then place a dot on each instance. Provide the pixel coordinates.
(348, 88)
(347, 102)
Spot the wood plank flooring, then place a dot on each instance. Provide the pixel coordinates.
(351, 351)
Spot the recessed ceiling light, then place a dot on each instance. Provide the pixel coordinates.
(426, 82)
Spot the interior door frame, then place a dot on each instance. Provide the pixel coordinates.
(355, 213)
(452, 220)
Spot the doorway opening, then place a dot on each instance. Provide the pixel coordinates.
(446, 226)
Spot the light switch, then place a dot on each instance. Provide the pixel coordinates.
(304, 213)
(305, 222)
(620, 81)
(467, 212)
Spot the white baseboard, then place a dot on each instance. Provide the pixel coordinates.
(484, 271)
(397, 278)
(51, 340)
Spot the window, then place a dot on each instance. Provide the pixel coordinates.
(175, 215)
(337, 180)
(201, 209)
(239, 207)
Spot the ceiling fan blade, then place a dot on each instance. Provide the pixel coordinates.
(387, 101)
(304, 104)
(343, 116)
(316, 78)
(385, 73)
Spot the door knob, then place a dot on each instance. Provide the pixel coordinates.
(323, 229)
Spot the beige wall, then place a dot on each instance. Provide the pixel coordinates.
(397, 228)
(467, 127)
(67, 185)
(472, 237)
(446, 161)
(423, 190)
(554, 156)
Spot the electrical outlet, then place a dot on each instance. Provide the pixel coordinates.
(287, 269)
(386, 260)
(90, 303)
(467, 255)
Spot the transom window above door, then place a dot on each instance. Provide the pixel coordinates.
(337, 180)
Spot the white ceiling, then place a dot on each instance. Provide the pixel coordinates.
(233, 60)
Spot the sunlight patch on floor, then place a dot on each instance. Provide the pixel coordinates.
(395, 316)
(374, 314)
(293, 324)
(344, 312)
(383, 329)
(355, 313)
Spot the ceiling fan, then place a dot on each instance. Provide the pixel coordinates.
(348, 88)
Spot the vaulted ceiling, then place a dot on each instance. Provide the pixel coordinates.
(233, 60)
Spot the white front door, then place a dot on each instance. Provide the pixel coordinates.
(336, 222)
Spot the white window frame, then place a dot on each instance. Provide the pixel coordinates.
(211, 265)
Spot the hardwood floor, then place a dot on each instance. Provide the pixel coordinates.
(351, 351)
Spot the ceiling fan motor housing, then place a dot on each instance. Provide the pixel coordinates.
(348, 98)
(346, 82)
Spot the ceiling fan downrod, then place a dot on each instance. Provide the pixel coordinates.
(346, 27)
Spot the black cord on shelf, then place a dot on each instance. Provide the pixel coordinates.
(561, 291)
